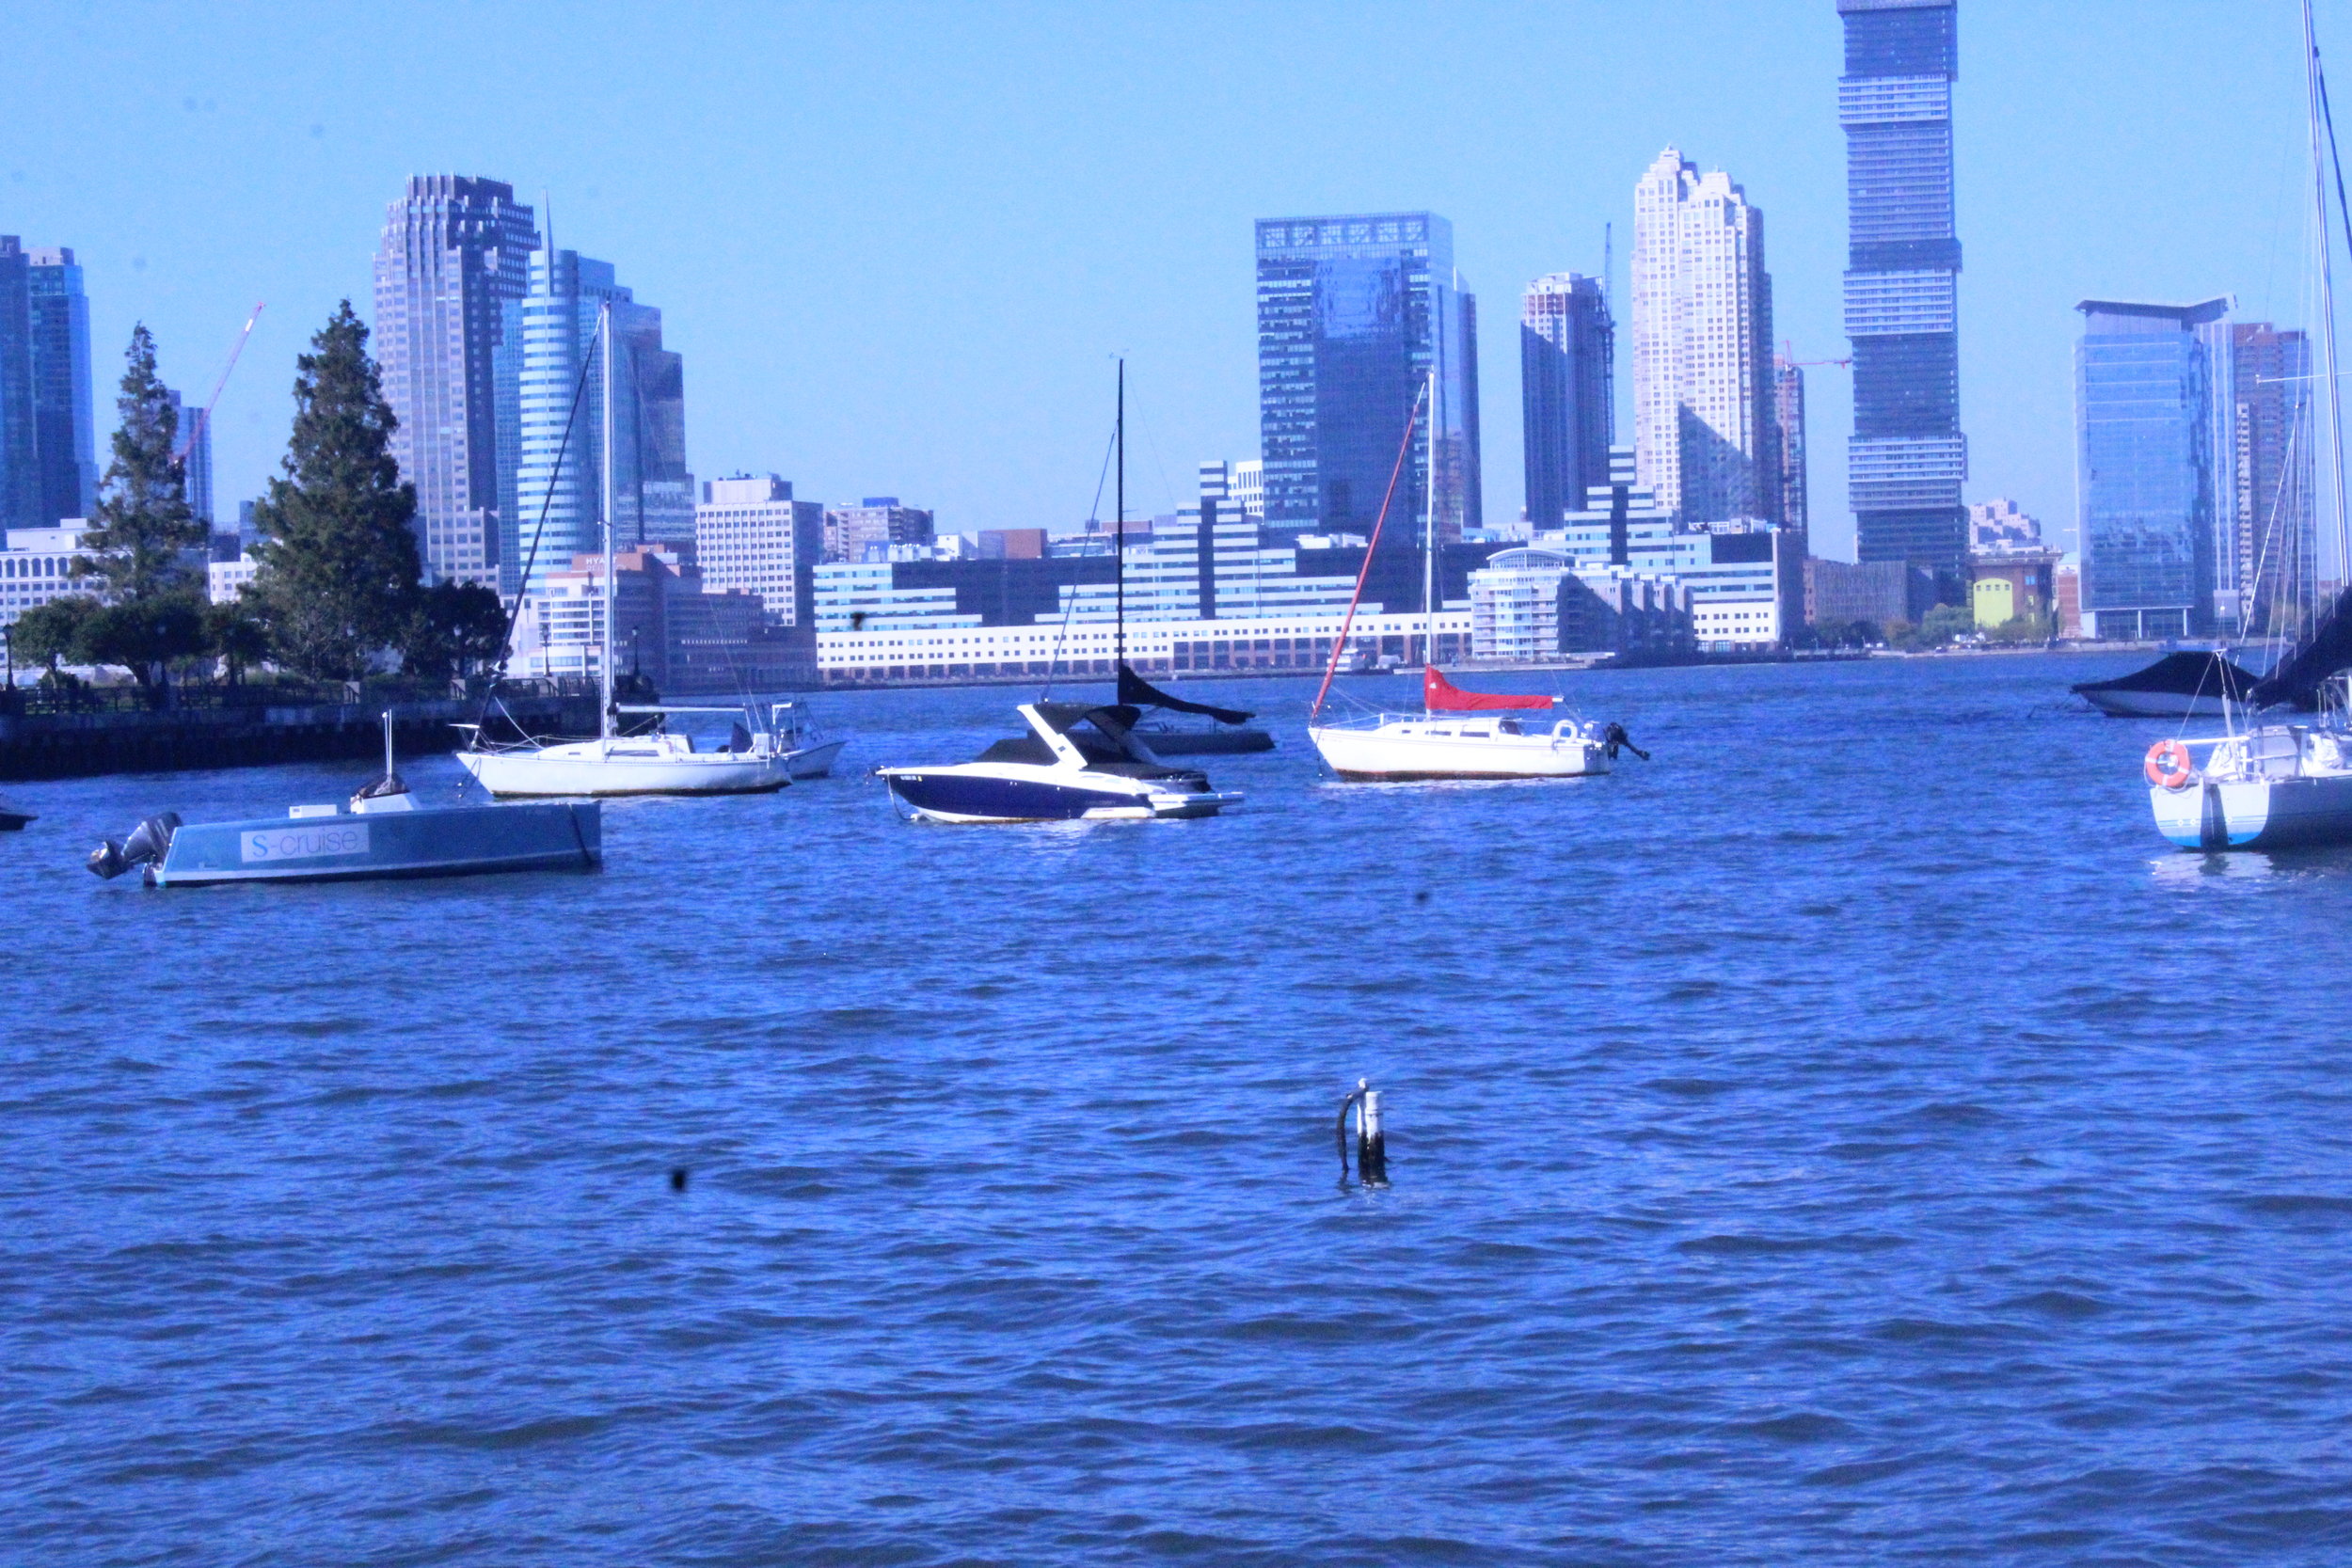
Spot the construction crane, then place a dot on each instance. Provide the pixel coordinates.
(204, 416)
(1786, 358)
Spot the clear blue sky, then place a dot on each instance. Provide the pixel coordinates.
(899, 243)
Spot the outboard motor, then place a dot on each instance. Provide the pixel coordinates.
(1614, 737)
(145, 845)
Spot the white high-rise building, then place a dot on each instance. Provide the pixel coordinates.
(1703, 422)
(751, 536)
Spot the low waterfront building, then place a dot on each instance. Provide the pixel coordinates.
(38, 566)
(1534, 604)
(1840, 594)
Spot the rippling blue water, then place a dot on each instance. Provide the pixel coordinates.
(1853, 1137)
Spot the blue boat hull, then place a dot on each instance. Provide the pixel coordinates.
(969, 798)
(2256, 813)
(458, 841)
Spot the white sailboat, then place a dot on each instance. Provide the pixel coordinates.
(2264, 786)
(1458, 733)
(756, 758)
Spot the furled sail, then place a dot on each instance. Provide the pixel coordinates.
(1441, 695)
(2300, 675)
(1136, 691)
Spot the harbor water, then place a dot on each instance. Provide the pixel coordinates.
(1852, 1137)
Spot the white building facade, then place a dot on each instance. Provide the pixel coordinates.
(1703, 385)
(751, 536)
(38, 566)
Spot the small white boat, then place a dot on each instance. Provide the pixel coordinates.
(1078, 763)
(808, 752)
(2263, 787)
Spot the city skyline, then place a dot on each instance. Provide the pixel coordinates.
(804, 351)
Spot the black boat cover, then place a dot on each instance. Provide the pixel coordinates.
(1137, 692)
(2326, 651)
(2186, 675)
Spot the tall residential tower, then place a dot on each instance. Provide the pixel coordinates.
(1704, 437)
(454, 252)
(65, 437)
(1567, 392)
(1907, 457)
(1352, 311)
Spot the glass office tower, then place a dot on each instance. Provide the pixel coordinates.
(1567, 392)
(1907, 457)
(1351, 314)
(559, 482)
(65, 435)
(2149, 433)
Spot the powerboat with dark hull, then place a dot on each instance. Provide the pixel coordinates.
(2178, 685)
(12, 818)
(1229, 731)
(1078, 763)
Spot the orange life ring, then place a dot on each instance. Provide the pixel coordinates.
(2167, 766)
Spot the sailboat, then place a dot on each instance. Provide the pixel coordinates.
(1229, 731)
(640, 758)
(2264, 786)
(1458, 733)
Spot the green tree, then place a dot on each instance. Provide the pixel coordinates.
(1945, 621)
(143, 524)
(145, 636)
(456, 628)
(234, 635)
(339, 566)
(51, 633)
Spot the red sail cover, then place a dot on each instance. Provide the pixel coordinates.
(1441, 695)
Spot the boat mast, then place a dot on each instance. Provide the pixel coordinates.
(604, 334)
(1429, 540)
(1118, 536)
(2313, 88)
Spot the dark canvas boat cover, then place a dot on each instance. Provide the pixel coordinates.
(2300, 675)
(2186, 675)
(1137, 692)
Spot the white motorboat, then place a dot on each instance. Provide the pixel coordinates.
(808, 752)
(651, 761)
(1078, 763)
(1458, 733)
(2178, 685)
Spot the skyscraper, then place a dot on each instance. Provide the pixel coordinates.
(65, 438)
(1567, 392)
(562, 481)
(454, 253)
(193, 441)
(1907, 457)
(1703, 389)
(2148, 441)
(2268, 554)
(1352, 311)
(20, 461)
(1796, 506)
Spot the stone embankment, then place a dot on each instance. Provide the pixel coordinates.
(249, 734)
